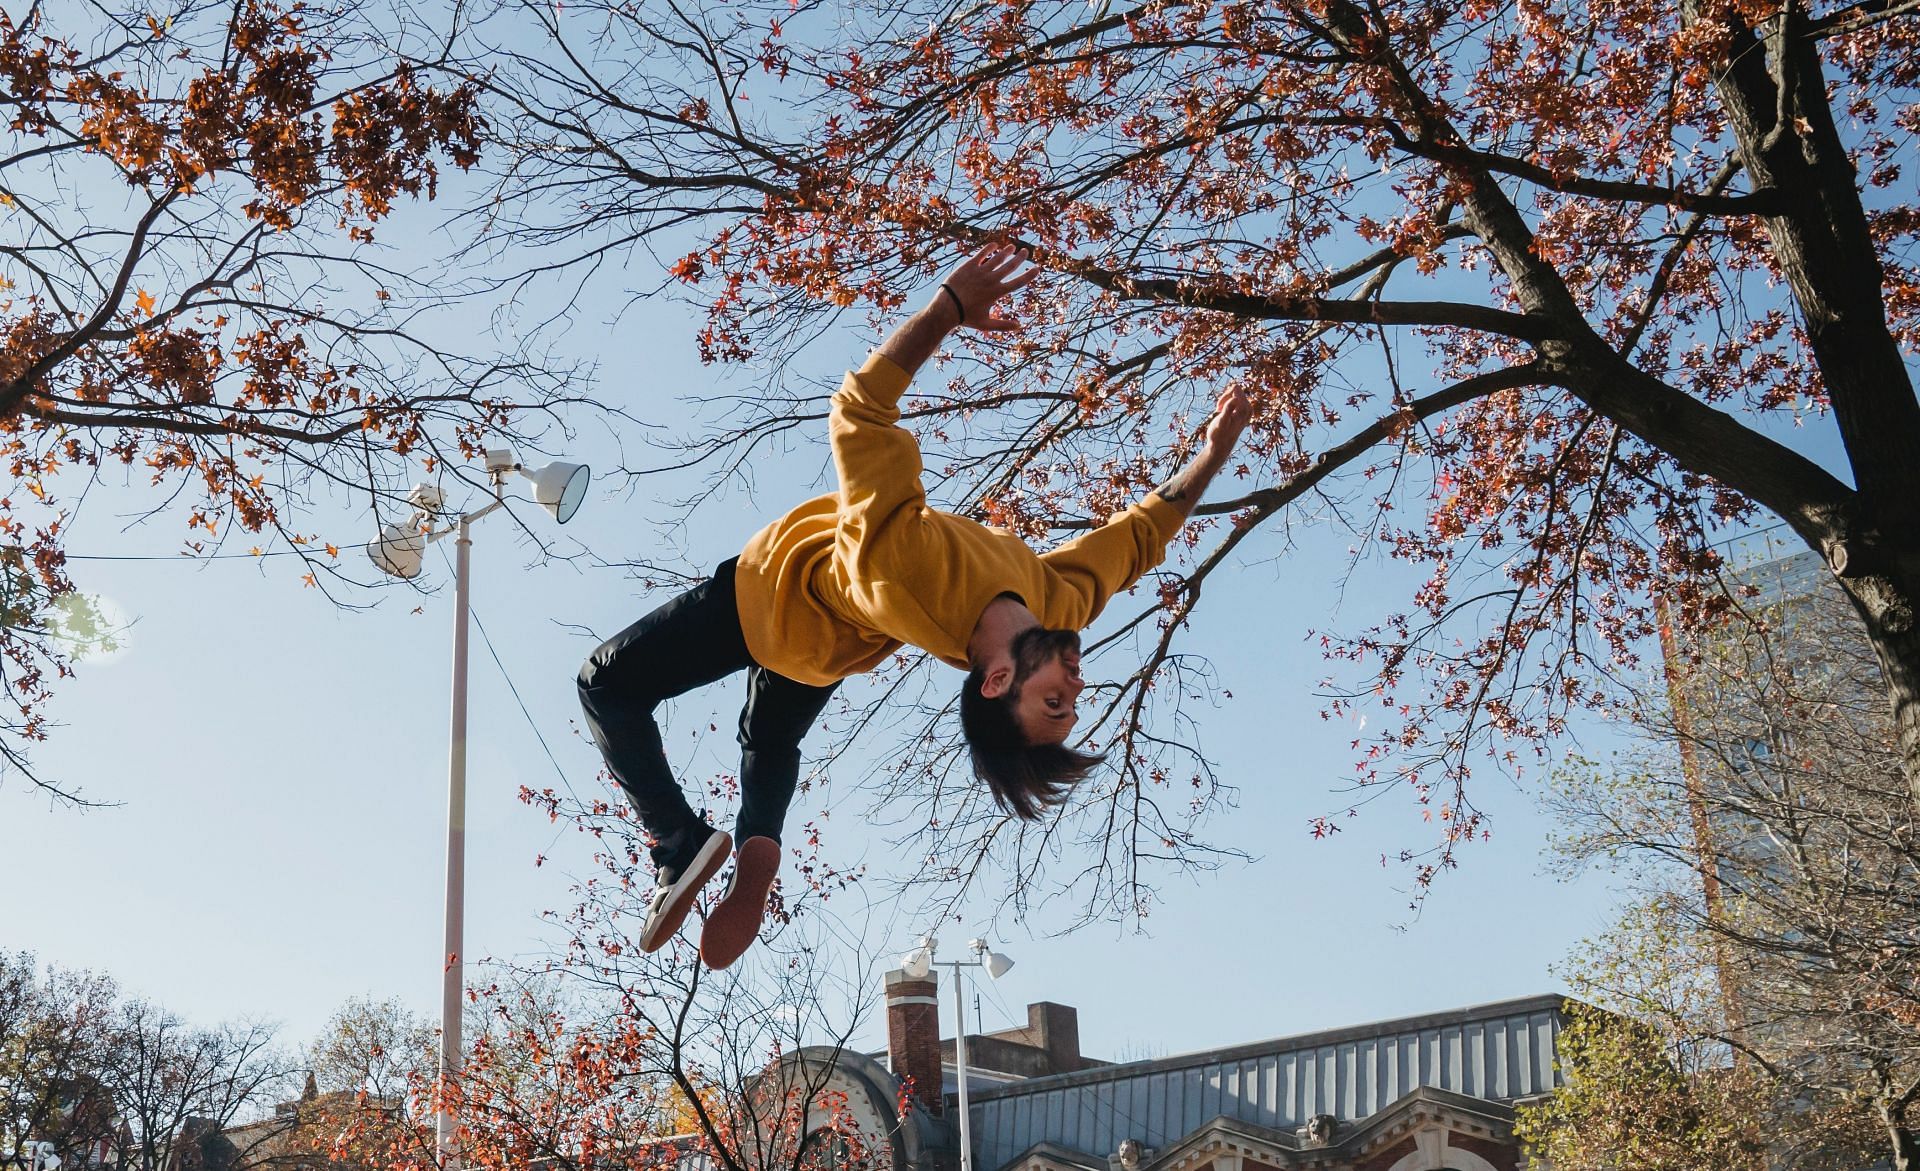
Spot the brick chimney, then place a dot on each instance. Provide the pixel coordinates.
(1056, 1028)
(913, 1034)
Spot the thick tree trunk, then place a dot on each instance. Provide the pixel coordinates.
(1776, 100)
(1774, 91)
(1886, 603)
(1905, 1144)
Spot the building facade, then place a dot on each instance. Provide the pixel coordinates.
(1427, 1093)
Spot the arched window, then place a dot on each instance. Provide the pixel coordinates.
(826, 1150)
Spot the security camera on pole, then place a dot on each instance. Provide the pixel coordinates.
(916, 964)
(559, 488)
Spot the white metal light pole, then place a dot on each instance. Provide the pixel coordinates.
(453, 974)
(558, 487)
(960, 1066)
(916, 963)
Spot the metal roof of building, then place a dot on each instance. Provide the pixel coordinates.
(1497, 1051)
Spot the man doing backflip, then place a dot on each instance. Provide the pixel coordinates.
(835, 586)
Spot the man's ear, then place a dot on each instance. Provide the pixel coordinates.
(996, 682)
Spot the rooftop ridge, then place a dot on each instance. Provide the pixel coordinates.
(1493, 1010)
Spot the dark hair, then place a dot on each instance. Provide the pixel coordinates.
(1026, 779)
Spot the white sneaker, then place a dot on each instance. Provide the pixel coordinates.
(677, 889)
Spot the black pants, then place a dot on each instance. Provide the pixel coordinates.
(691, 641)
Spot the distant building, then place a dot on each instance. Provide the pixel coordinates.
(80, 1130)
(1765, 710)
(297, 1135)
(1725, 689)
(1426, 1093)
(1790, 579)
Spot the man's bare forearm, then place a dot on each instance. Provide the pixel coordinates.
(919, 336)
(1185, 487)
(1230, 415)
(971, 295)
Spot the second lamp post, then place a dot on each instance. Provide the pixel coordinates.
(916, 964)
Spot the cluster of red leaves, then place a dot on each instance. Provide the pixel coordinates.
(657, 1063)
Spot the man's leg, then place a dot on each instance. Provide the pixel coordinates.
(690, 641)
(777, 716)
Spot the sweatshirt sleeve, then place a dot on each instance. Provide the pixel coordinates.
(877, 461)
(1097, 565)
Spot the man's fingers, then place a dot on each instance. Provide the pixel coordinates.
(998, 259)
(1024, 279)
(991, 273)
(1007, 256)
(1231, 412)
(983, 260)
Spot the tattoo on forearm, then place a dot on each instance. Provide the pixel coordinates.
(1185, 487)
(1182, 485)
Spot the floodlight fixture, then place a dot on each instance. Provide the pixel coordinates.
(427, 498)
(560, 487)
(996, 964)
(399, 549)
(918, 962)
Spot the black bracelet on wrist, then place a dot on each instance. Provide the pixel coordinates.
(957, 306)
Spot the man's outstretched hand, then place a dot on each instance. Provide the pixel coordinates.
(978, 284)
(1230, 414)
(970, 296)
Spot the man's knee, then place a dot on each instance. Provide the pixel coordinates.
(588, 677)
(779, 713)
(600, 678)
(769, 738)
(770, 730)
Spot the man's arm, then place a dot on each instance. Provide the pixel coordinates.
(968, 297)
(1096, 565)
(1185, 487)
(877, 460)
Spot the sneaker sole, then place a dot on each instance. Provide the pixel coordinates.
(667, 913)
(734, 923)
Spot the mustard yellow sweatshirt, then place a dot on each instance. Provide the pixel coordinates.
(838, 584)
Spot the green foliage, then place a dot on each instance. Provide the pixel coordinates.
(1629, 1104)
(1637, 1097)
(374, 1047)
(99, 1078)
(1766, 956)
